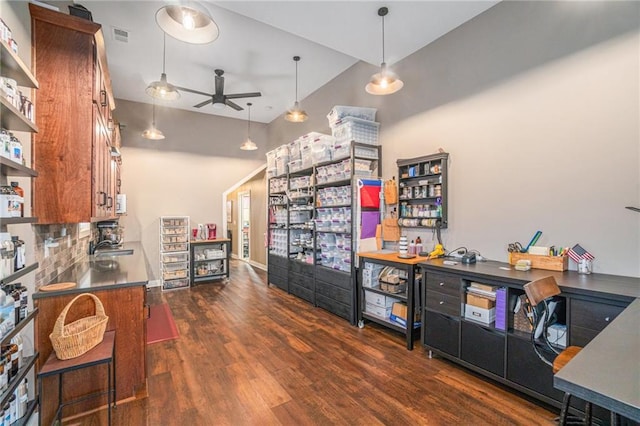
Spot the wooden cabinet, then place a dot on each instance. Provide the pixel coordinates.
(74, 103)
(125, 307)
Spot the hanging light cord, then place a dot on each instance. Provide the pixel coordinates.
(249, 122)
(382, 38)
(153, 115)
(297, 79)
(164, 50)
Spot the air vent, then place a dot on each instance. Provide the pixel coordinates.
(120, 35)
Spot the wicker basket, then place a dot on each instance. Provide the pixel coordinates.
(75, 339)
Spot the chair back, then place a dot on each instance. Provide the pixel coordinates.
(541, 289)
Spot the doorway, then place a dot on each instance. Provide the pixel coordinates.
(244, 224)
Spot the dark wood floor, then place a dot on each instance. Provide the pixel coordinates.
(249, 354)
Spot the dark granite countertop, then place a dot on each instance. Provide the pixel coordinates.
(603, 285)
(103, 272)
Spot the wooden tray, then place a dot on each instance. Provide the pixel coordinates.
(550, 263)
(57, 286)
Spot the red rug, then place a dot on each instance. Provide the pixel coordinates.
(160, 325)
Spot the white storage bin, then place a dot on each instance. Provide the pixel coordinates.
(271, 159)
(339, 111)
(281, 165)
(353, 129)
(342, 150)
(295, 165)
(175, 257)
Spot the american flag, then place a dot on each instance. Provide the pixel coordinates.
(577, 252)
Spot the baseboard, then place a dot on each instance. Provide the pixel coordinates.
(258, 265)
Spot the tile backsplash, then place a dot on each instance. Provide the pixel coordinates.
(52, 261)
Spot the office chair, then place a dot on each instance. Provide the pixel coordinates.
(539, 293)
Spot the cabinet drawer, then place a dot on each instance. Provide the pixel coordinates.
(300, 281)
(443, 283)
(278, 261)
(301, 268)
(592, 315)
(483, 348)
(443, 303)
(526, 369)
(337, 278)
(301, 292)
(339, 309)
(441, 332)
(332, 292)
(581, 336)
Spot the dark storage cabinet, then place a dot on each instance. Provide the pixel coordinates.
(442, 333)
(588, 318)
(482, 347)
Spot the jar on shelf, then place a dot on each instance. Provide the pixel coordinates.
(6, 255)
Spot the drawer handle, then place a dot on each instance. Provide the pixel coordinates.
(607, 319)
(442, 302)
(441, 284)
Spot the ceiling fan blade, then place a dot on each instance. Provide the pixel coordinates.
(233, 105)
(193, 91)
(243, 95)
(219, 85)
(201, 104)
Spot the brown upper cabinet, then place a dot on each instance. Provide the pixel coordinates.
(72, 150)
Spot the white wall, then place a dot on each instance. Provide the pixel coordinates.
(538, 105)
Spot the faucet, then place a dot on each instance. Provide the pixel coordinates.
(93, 247)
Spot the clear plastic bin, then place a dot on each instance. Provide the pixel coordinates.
(340, 111)
(353, 129)
(175, 257)
(173, 284)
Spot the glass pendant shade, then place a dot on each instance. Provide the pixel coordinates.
(153, 133)
(163, 89)
(296, 114)
(189, 23)
(249, 145)
(384, 82)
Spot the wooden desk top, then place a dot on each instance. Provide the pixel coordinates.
(392, 257)
(217, 240)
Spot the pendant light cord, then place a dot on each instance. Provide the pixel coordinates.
(153, 115)
(249, 122)
(164, 50)
(383, 38)
(297, 79)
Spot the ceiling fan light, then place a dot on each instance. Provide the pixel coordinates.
(248, 145)
(384, 82)
(153, 134)
(163, 89)
(191, 24)
(296, 114)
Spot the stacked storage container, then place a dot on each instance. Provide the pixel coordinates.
(349, 123)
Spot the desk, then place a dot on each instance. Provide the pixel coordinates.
(606, 372)
(391, 259)
(103, 353)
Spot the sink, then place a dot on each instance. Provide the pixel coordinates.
(113, 252)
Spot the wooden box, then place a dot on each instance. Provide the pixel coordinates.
(550, 263)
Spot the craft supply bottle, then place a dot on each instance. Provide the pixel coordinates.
(412, 247)
(19, 200)
(418, 245)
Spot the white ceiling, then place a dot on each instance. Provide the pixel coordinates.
(258, 40)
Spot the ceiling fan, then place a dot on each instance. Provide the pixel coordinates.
(219, 98)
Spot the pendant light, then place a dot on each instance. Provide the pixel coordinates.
(163, 89)
(249, 145)
(386, 81)
(188, 22)
(153, 133)
(296, 114)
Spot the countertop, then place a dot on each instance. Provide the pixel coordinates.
(217, 240)
(606, 371)
(392, 257)
(103, 272)
(603, 285)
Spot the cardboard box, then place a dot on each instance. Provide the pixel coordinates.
(399, 314)
(480, 302)
(475, 313)
(376, 299)
(378, 311)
